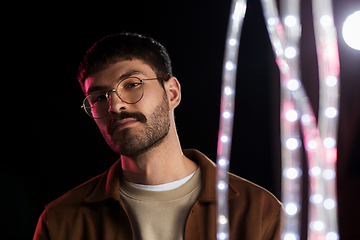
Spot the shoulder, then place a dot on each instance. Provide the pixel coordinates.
(252, 194)
(75, 196)
(240, 189)
(256, 208)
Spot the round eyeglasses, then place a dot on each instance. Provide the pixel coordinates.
(129, 90)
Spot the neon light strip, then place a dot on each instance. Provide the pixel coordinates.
(321, 150)
(290, 129)
(329, 69)
(226, 115)
(322, 214)
(286, 48)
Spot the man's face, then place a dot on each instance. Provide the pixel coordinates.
(132, 129)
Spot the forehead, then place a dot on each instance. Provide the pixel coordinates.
(111, 75)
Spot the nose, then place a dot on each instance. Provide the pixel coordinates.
(115, 103)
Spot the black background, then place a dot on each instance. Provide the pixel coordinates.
(52, 146)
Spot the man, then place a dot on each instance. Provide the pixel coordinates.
(155, 190)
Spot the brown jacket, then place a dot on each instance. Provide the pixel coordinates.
(94, 211)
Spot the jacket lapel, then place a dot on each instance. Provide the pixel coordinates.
(208, 171)
(108, 186)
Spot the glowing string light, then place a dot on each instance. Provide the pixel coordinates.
(315, 171)
(331, 81)
(293, 84)
(290, 236)
(293, 100)
(312, 144)
(291, 209)
(329, 68)
(238, 9)
(293, 95)
(290, 21)
(285, 40)
(328, 64)
(290, 52)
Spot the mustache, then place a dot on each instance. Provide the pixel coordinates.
(123, 115)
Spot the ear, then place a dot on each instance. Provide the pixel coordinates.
(173, 90)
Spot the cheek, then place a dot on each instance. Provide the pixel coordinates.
(102, 123)
(152, 99)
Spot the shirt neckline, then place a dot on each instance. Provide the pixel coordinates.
(166, 186)
(137, 193)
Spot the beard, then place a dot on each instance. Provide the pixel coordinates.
(134, 141)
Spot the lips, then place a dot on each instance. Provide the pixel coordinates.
(122, 124)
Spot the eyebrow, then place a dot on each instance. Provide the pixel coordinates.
(122, 77)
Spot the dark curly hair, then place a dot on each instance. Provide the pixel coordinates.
(125, 46)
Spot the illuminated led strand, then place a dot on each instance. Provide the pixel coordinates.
(322, 191)
(312, 140)
(226, 115)
(292, 95)
(286, 51)
(313, 148)
(310, 132)
(329, 68)
(291, 154)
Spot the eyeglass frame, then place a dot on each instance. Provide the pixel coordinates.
(107, 94)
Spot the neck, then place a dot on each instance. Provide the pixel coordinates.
(162, 164)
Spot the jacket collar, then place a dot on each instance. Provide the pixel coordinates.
(208, 171)
(108, 185)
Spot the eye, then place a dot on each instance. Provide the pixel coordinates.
(100, 98)
(132, 85)
(96, 98)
